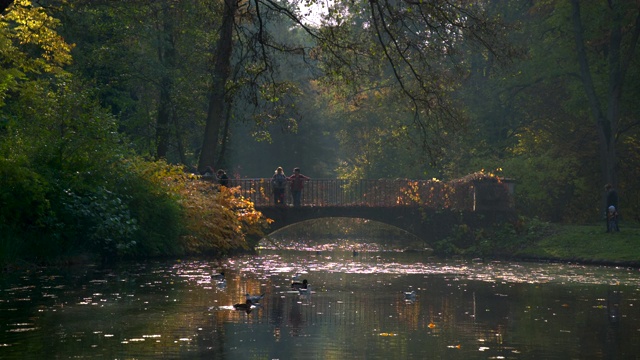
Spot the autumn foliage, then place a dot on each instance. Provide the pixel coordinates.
(217, 218)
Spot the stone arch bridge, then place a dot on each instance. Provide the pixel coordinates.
(428, 209)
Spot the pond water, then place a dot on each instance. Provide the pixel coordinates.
(357, 309)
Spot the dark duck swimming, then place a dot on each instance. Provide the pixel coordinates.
(247, 306)
(299, 285)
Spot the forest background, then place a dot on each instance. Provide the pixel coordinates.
(107, 107)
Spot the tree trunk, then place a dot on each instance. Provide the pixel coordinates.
(615, 91)
(163, 119)
(606, 123)
(225, 138)
(167, 57)
(221, 72)
(179, 134)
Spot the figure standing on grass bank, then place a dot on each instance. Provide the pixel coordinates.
(278, 186)
(297, 184)
(611, 209)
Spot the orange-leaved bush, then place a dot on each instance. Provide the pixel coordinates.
(217, 219)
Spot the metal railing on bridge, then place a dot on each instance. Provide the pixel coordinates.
(469, 195)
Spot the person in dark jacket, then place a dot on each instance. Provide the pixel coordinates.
(223, 179)
(611, 208)
(297, 184)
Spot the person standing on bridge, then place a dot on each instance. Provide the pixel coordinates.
(278, 186)
(223, 179)
(297, 184)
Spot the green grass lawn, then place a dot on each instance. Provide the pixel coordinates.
(588, 243)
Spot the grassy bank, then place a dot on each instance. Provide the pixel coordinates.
(587, 244)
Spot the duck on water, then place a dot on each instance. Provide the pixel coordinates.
(300, 285)
(247, 306)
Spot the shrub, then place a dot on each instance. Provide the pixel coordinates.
(152, 200)
(25, 211)
(217, 218)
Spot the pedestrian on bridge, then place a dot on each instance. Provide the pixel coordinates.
(278, 186)
(222, 177)
(297, 184)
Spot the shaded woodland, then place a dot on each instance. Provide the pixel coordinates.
(99, 100)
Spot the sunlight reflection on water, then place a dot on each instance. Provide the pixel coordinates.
(510, 272)
(357, 308)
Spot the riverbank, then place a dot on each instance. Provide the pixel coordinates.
(588, 244)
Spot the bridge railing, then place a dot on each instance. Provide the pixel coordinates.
(474, 195)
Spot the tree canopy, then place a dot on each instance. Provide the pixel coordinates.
(543, 92)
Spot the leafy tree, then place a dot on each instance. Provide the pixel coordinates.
(69, 183)
(30, 48)
(616, 33)
(161, 87)
(147, 59)
(377, 137)
(532, 113)
(287, 134)
(256, 73)
(591, 47)
(352, 42)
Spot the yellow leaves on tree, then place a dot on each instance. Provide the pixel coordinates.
(30, 25)
(217, 218)
(29, 44)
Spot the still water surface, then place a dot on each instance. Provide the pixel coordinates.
(356, 310)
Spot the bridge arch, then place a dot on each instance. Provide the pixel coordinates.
(342, 233)
(429, 225)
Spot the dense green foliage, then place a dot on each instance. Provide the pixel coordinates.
(70, 186)
(102, 104)
(338, 109)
